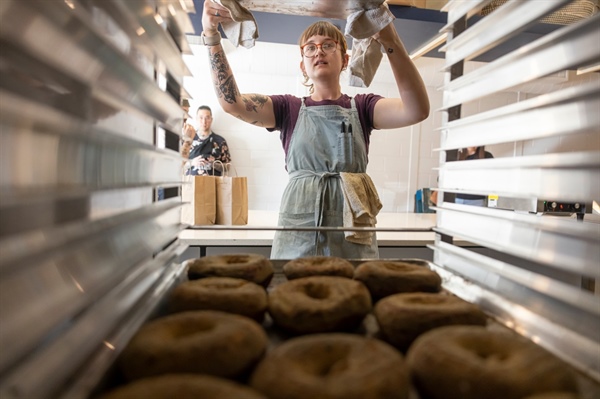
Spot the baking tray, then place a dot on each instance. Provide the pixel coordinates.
(589, 389)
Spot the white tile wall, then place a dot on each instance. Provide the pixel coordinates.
(400, 160)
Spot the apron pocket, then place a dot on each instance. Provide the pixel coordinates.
(345, 150)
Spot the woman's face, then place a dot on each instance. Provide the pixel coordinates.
(323, 64)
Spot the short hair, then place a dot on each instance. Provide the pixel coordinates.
(206, 107)
(322, 28)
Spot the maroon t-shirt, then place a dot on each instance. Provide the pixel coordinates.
(287, 107)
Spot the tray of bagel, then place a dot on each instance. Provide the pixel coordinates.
(244, 326)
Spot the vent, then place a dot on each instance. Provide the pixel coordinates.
(576, 11)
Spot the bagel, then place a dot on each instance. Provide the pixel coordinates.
(384, 278)
(203, 342)
(183, 386)
(319, 304)
(220, 293)
(471, 362)
(403, 317)
(251, 267)
(318, 266)
(332, 366)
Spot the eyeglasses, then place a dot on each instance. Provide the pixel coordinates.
(309, 50)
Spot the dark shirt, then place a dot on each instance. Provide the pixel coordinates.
(287, 108)
(473, 196)
(213, 148)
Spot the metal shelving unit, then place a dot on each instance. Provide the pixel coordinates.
(90, 91)
(90, 125)
(515, 282)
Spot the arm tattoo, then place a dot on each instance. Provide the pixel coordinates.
(255, 123)
(228, 89)
(225, 85)
(254, 102)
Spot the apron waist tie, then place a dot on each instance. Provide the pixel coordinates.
(321, 191)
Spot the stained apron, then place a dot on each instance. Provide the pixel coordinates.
(319, 150)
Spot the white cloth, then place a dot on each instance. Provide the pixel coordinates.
(243, 30)
(361, 206)
(366, 52)
(365, 60)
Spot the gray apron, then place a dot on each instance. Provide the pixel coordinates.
(318, 152)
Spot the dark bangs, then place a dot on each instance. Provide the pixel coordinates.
(324, 28)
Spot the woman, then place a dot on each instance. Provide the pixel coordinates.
(466, 154)
(323, 134)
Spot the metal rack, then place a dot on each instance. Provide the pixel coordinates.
(525, 249)
(89, 137)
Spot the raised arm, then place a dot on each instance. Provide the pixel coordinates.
(256, 109)
(413, 105)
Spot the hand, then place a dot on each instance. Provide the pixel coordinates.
(199, 163)
(188, 133)
(212, 15)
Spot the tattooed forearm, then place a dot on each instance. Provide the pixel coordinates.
(228, 90)
(225, 85)
(219, 64)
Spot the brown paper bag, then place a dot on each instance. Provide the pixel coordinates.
(232, 199)
(201, 197)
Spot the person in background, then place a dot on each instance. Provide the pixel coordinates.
(324, 134)
(207, 147)
(188, 132)
(466, 154)
(433, 198)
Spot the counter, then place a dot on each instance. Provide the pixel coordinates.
(221, 236)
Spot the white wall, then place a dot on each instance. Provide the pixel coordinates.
(400, 160)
